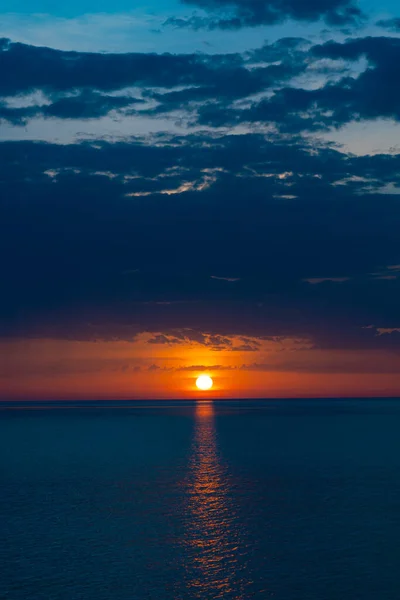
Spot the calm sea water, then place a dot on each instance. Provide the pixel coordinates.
(290, 500)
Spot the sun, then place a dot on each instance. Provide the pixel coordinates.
(204, 383)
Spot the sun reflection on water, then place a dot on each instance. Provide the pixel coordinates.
(215, 555)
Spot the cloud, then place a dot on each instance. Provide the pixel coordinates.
(71, 233)
(154, 368)
(79, 85)
(228, 279)
(392, 24)
(246, 348)
(57, 71)
(88, 104)
(318, 280)
(311, 361)
(374, 93)
(164, 340)
(235, 14)
(196, 368)
(188, 336)
(288, 86)
(343, 96)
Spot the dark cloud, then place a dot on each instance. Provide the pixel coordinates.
(210, 90)
(78, 85)
(370, 94)
(187, 336)
(235, 14)
(374, 93)
(75, 219)
(16, 116)
(164, 340)
(392, 24)
(246, 348)
(26, 68)
(88, 104)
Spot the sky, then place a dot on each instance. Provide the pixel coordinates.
(199, 186)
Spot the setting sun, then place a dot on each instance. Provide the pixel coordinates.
(204, 383)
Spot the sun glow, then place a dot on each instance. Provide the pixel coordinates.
(204, 383)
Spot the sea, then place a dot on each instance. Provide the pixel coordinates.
(283, 500)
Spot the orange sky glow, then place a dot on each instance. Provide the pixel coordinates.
(62, 369)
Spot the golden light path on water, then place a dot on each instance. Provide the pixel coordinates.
(214, 546)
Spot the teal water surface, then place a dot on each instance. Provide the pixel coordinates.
(290, 500)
